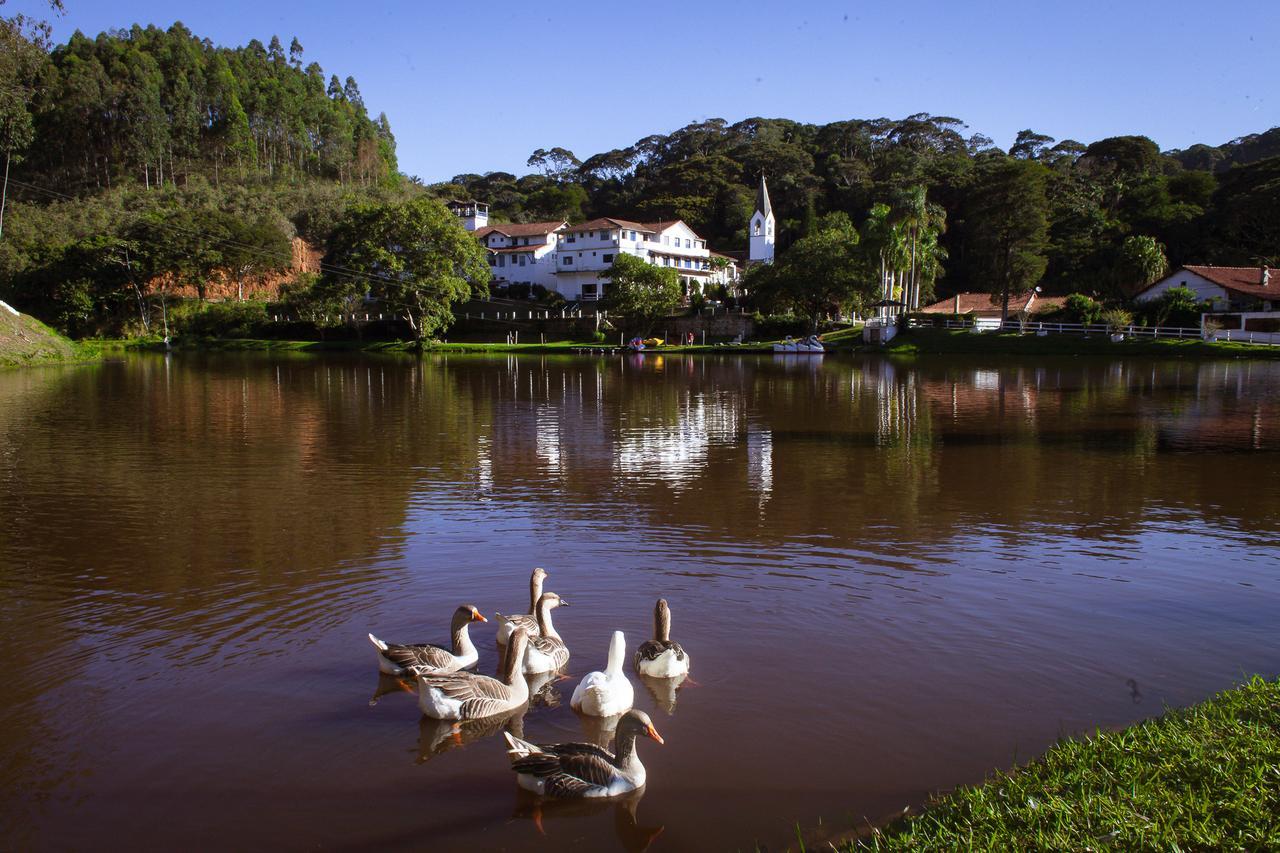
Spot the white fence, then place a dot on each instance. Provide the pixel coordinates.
(1037, 327)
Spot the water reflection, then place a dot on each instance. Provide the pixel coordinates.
(436, 737)
(547, 814)
(1023, 538)
(664, 690)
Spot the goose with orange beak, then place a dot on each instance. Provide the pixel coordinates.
(421, 658)
(572, 770)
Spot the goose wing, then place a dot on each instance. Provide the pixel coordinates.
(420, 656)
(480, 695)
(569, 769)
(552, 648)
(652, 649)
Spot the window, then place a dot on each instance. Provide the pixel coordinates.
(493, 260)
(568, 261)
(755, 228)
(522, 259)
(608, 259)
(502, 260)
(571, 239)
(588, 290)
(688, 244)
(590, 234)
(633, 235)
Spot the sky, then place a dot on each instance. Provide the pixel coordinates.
(476, 87)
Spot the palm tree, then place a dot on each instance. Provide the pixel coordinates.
(922, 221)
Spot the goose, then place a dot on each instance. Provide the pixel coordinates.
(397, 659)
(528, 621)
(608, 693)
(571, 770)
(467, 696)
(546, 652)
(662, 657)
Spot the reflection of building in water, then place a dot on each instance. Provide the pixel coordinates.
(676, 451)
(484, 464)
(760, 461)
(547, 437)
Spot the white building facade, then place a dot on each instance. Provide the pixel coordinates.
(522, 253)
(574, 260)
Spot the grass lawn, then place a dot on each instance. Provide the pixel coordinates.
(933, 341)
(1200, 778)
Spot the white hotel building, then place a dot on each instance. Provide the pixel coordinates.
(573, 260)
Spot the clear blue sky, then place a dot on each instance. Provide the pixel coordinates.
(474, 87)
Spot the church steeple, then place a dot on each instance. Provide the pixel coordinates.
(762, 227)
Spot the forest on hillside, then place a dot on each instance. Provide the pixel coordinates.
(149, 156)
(1207, 204)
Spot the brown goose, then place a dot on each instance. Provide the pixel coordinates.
(662, 657)
(398, 659)
(467, 696)
(570, 770)
(546, 652)
(528, 621)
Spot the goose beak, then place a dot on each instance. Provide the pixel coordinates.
(477, 616)
(653, 733)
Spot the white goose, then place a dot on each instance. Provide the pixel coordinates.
(662, 657)
(547, 652)
(401, 659)
(528, 621)
(570, 770)
(467, 696)
(608, 693)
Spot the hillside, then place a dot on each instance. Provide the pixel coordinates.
(25, 340)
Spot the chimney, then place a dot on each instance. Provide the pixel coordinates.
(1266, 275)
(957, 308)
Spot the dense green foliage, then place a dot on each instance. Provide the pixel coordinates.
(820, 274)
(162, 162)
(641, 292)
(1204, 778)
(927, 174)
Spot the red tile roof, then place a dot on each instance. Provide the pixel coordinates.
(512, 249)
(608, 222)
(519, 229)
(1250, 281)
(986, 304)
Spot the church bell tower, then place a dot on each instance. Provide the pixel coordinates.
(763, 228)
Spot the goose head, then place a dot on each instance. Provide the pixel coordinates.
(661, 621)
(636, 723)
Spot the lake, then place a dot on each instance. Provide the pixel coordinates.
(892, 576)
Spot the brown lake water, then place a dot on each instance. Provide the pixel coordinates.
(893, 577)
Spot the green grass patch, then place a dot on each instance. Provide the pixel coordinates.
(24, 341)
(1201, 778)
(944, 341)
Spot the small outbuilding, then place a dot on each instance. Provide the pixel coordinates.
(1225, 288)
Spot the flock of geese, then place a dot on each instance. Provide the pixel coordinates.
(531, 646)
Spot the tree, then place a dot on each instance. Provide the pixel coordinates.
(559, 164)
(641, 292)
(1007, 224)
(412, 256)
(23, 42)
(819, 273)
(1139, 262)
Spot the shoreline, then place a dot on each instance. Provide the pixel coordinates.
(1201, 777)
(906, 345)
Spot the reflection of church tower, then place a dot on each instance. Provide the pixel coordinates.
(762, 228)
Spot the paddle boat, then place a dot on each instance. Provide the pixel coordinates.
(810, 345)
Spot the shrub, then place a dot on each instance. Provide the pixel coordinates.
(1117, 320)
(1083, 309)
(220, 319)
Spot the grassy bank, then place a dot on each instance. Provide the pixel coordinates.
(1205, 777)
(269, 345)
(24, 340)
(945, 341)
